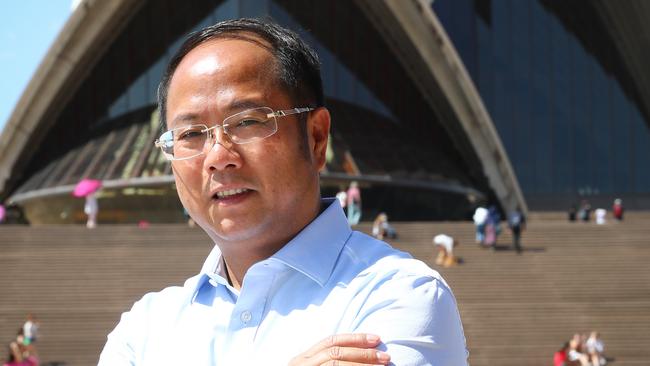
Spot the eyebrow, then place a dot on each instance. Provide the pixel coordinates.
(240, 105)
(234, 107)
(184, 118)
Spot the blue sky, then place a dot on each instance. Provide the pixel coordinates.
(27, 30)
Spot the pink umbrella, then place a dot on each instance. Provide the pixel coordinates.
(86, 187)
(2, 213)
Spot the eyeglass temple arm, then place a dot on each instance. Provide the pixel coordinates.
(288, 112)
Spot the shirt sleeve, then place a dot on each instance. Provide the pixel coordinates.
(119, 349)
(418, 321)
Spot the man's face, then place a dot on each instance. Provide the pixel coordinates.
(270, 185)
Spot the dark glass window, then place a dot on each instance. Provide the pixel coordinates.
(559, 99)
(541, 117)
(522, 153)
(502, 115)
(601, 156)
(641, 153)
(254, 8)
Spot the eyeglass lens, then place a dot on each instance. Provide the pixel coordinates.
(247, 126)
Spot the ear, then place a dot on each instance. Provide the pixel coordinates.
(318, 128)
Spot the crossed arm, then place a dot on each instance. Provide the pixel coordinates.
(344, 349)
(417, 319)
(415, 316)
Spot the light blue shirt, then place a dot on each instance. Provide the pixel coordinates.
(327, 280)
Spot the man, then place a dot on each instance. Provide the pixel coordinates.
(517, 223)
(287, 282)
(30, 330)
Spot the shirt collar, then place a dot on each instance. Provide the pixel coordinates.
(313, 252)
(212, 269)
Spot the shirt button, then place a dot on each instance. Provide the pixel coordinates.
(245, 316)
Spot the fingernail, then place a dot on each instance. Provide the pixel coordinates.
(383, 357)
(372, 338)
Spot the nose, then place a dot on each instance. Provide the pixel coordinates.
(221, 152)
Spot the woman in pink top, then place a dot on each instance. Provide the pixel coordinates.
(16, 357)
(354, 203)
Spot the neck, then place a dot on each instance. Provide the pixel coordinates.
(240, 256)
(232, 278)
(238, 265)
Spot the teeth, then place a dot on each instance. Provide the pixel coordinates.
(231, 192)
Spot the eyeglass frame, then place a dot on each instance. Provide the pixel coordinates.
(275, 114)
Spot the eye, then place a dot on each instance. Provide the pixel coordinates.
(190, 133)
(249, 122)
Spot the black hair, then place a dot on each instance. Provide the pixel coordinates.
(297, 64)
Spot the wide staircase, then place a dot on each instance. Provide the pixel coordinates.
(516, 309)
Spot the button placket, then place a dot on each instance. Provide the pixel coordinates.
(252, 299)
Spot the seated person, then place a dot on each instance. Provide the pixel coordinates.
(382, 229)
(19, 356)
(445, 245)
(575, 355)
(560, 356)
(595, 348)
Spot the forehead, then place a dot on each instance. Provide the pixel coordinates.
(220, 74)
(229, 59)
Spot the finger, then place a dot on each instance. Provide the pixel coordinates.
(357, 340)
(345, 363)
(337, 355)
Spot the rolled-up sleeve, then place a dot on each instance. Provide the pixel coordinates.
(417, 319)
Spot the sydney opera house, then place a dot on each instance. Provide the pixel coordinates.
(437, 106)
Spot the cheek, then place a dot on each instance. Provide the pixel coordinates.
(289, 173)
(188, 180)
(267, 167)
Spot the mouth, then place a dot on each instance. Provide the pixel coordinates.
(230, 194)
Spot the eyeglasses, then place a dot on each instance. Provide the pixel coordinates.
(248, 126)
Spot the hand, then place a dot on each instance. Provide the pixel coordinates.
(343, 350)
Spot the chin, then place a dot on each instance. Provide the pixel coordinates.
(227, 230)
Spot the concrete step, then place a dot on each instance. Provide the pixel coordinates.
(516, 309)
